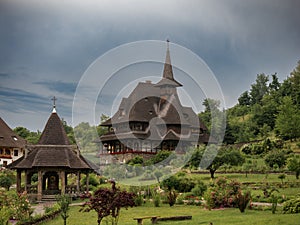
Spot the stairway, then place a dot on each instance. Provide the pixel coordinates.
(49, 198)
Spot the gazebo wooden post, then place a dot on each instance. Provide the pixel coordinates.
(63, 182)
(40, 187)
(78, 182)
(19, 178)
(87, 182)
(26, 180)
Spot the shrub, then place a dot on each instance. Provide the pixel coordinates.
(5, 182)
(93, 181)
(34, 178)
(243, 200)
(108, 202)
(281, 177)
(180, 184)
(156, 200)
(136, 160)
(199, 189)
(276, 158)
(14, 205)
(64, 203)
(291, 206)
(180, 199)
(224, 193)
(274, 200)
(172, 195)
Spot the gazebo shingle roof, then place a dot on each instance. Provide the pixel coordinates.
(51, 156)
(8, 138)
(54, 132)
(52, 150)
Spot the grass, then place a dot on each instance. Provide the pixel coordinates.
(200, 216)
(241, 177)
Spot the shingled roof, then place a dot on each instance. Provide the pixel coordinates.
(8, 138)
(51, 156)
(52, 150)
(54, 132)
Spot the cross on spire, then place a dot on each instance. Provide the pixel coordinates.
(54, 99)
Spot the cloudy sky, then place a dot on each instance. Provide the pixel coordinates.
(46, 46)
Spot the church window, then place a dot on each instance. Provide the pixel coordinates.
(16, 152)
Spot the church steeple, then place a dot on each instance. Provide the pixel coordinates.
(168, 71)
(54, 132)
(168, 77)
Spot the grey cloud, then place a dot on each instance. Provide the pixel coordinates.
(59, 86)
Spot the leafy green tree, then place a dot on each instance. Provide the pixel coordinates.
(86, 135)
(69, 130)
(108, 202)
(7, 178)
(285, 89)
(212, 158)
(269, 111)
(5, 182)
(259, 89)
(276, 157)
(295, 84)
(211, 106)
(158, 174)
(64, 203)
(30, 136)
(214, 118)
(159, 157)
(229, 137)
(93, 181)
(100, 129)
(275, 84)
(244, 99)
(293, 164)
(287, 123)
(22, 132)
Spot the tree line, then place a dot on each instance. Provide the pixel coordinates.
(269, 108)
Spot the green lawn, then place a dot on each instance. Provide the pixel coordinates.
(250, 177)
(200, 216)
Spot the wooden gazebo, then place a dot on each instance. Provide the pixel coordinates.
(52, 159)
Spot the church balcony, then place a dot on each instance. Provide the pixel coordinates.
(6, 156)
(133, 152)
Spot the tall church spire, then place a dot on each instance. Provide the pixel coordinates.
(168, 71)
(168, 78)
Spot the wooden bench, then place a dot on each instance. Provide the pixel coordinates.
(174, 218)
(140, 219)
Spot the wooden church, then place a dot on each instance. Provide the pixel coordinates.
(52, 159)
(152, 119)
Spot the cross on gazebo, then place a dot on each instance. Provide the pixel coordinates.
(54, 99)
